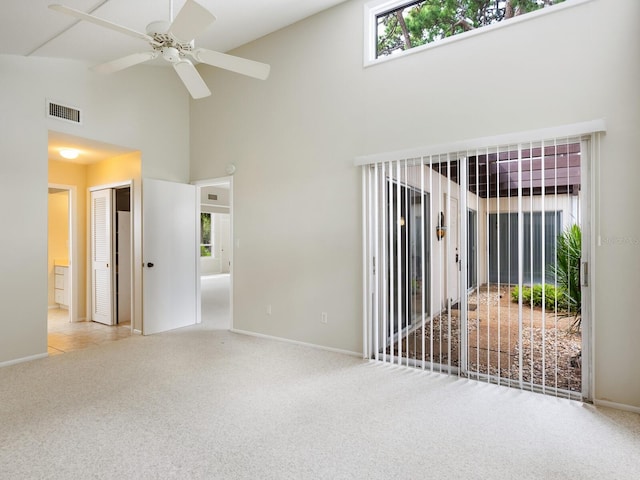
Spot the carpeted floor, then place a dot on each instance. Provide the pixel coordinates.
(203, 403)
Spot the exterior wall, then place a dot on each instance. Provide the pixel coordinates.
(567, 204)
(442, 251)
(297, 197)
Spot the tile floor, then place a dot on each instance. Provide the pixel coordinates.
(64, 336)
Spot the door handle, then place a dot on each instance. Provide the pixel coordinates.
(150, 265)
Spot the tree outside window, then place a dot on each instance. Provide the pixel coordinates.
(412, 24)
(206, 243)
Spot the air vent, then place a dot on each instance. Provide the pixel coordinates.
(211, 196)
(62, 112)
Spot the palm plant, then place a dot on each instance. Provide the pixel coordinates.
(566, 270)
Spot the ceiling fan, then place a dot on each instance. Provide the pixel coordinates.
(174, 41)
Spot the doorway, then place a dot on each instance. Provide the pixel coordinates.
(61, 246)
(215, 210)
(93, 163)
(66, 330)
(111, 255)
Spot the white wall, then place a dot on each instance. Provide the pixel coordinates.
(122, 109)
(297, 196)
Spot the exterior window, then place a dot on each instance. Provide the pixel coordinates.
(401, 25)
(206, 243)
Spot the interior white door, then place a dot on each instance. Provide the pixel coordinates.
(101, 256)
(169, 241)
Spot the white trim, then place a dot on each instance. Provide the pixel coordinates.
(296, 342)
(106, 186)
(15, 361)
(73, 253)
(374, 8)
(570, 130)
(365, 270)
(588, 223)
(617, 406)
(134, 265)
(212, 182)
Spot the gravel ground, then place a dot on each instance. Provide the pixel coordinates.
(494, 343)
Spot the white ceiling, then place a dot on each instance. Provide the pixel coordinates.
(28, 27)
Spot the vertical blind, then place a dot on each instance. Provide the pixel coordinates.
(461, 263)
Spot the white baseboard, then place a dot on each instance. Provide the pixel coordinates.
(137, 332)
(296, 342)
(617, 406)
(23, 359)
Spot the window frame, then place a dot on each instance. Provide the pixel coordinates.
(210, 245)
(377, 7)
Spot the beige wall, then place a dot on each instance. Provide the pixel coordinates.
(293, 138)
(73, 174)
(121, 109)
(58, 235)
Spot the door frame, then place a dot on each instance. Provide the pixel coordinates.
(89, 286)
(72, 215)
(212, 182)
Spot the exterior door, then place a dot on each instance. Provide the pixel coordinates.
(170, 253)
(453, 250)
(101, 256)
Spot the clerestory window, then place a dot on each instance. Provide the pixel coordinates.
(393, 27)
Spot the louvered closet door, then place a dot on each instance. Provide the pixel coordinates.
(101, 256)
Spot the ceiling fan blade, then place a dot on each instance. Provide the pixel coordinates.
(235, 64)
(99, 21)
(191, 21)
(124, 62)
(191, 79)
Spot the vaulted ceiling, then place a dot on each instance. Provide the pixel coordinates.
(29, 27)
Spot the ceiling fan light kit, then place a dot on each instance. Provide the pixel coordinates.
(175, 41)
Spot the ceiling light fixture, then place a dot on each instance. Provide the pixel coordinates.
(69, 153)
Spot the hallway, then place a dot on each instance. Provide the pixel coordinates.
(216, 310)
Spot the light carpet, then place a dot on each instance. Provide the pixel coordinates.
(199, 403)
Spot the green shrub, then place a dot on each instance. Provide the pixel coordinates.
(553, 297)
(566, 270)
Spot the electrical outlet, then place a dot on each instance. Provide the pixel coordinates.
(268, 309)
(323, 317)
